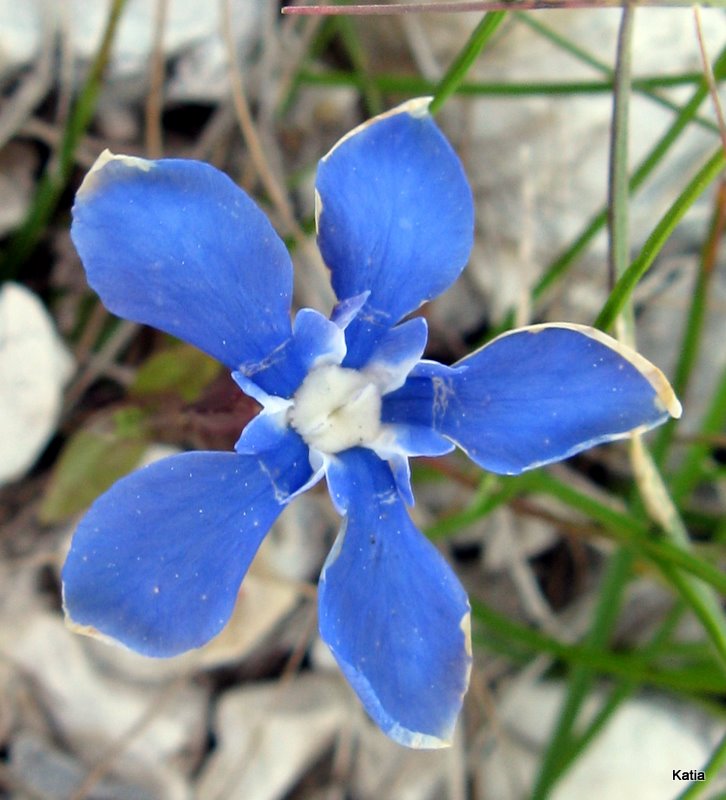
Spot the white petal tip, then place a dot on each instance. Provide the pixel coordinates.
(665, 398)
(92, 179)
(417, 740)
(90, 631)
(465, 626)
(418, 107)
(670, 402)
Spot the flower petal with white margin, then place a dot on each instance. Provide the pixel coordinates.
(177, 245)
(391, 610)
(157, 562)
(395, 217)
(34, 365)
(536, 395)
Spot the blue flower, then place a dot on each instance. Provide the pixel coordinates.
(157, 562)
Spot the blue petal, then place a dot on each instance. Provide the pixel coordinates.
(251, 389)
(346, 311)
(157, 562)
(177, 245)
(396, 353)
(391, 610)
(396, 443)
(536, 395)
(395, 217)
(263, 433)
(318, 340)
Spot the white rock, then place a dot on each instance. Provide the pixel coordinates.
(384, 769)
(92, 712)
(53, 775)
(512, 539)
(21, 31)
(296, 546)
(189, 24)
(34, 365)
(635, 755)
(538, 165)
(269, 734)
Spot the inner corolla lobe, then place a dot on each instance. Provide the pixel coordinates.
(336, 408)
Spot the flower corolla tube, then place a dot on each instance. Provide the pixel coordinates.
(157, 562)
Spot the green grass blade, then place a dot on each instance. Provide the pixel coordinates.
(705, 606)
(582, 677)
(467, 56)
(359, 60)
(702, 681)
(711, 769)
(662, 231)
(638, 84)
(558, 268)
(677, 558)
(57, 174)
(619, 526)
(619, 694)
(692, 468)
(695, 321)
(625, 529)
(487, 499)
(416, 85)
(618, 189)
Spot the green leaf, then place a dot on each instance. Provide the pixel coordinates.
(182, 370)
(90, 463)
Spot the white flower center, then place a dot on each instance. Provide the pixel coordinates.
(336, 408)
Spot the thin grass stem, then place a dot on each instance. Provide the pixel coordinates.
(60, 167)
(502, 633)
(711, 769)
(415, 85)
(659, 236)
(558, 268)
(466, 57)
(638, 84)
(695, 321)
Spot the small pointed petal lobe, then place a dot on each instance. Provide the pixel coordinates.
(177, 245)
(536, 395)
(391, 610)
(157, 562)
(345, 311)
(318, 341)
(263, 433)
(395, 218)
(397, 443)
(396, 354)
